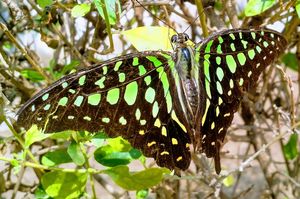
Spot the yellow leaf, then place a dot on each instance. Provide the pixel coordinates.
(150, 38)
(228, 181)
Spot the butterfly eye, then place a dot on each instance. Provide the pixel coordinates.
(174, 38)
(186, 37)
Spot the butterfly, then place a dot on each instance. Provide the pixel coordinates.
(161, 102)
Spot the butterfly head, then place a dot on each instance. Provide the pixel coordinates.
(179, 38)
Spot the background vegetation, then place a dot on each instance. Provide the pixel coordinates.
(43, 40)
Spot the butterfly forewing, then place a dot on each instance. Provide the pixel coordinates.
(231, 62)
(128, 96)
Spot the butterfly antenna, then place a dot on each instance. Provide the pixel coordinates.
(196, 18)
(154, 15)
(191, 24)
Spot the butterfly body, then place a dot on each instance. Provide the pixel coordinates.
(161, 102)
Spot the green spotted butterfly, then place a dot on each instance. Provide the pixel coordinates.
(161, 102)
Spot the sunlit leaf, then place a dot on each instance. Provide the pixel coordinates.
(297, 7)
(44, 3)
(34, 135)
(136, 180)
(119, 144)
(32, 75)
(228, 181)
(59, 184)
(57, 157)
(256, 7)
(80, 10)
(108, 157)
(142, 194)
(76, 154)
(290, 149)
(150, 38)
(291, 61)
(112, 6)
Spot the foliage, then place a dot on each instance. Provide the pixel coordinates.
(75, 164)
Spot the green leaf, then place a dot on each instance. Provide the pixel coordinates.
(40, 193)
(228, 181)
(290, 149)
(256, 7)
(98, 139)
(141, 194)
(297, 7)
(2, 183)
(74, 150)
(135, 153)
(119, 144)
(44, 3)
(61, 135)
(150, 38)
(136, 180)
(111, 8)
(291, 61)
(59, 184)
(34, 135)
(69, 67)
(80, 10)
(108, 157)
(57, 157)
(32, 75)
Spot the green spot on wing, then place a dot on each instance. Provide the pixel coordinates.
(208, 46)
(138, 114)
(135, 61)
(206, 66)
(150, 95)
(266, 44)
(244, 44)
(94, 99)
(47, 107)
(147, 80)
(122, 120)
(78, 101)
(72, 91)
(242, 58)
(219, 49)
(231, 63)
(218, 60)
(45, 97)
(232, 46)
(219, 88)
(100, 82)
(220, 73)
(155, 109)
(82, 80)
(251, 54)
(207, 88)
(113, 96)
(104, 68)
(122, 77)
(64, 85)
(87, 118)
(258, 49)
(105, 120)
(142, 70)
(232, 36)
(154, 60)
(63, 101)
(131, 92)
(117, 65)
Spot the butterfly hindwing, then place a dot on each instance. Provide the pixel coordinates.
(128, 96)
(231, 62)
